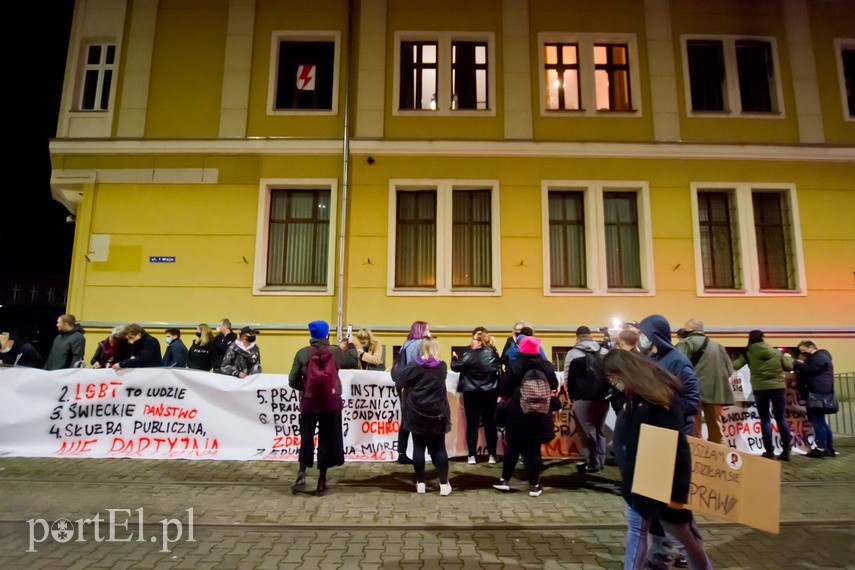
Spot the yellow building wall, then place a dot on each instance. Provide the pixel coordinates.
(577, 16)
(763, 18)
(443, 16)
(186, 85)
(831, 21)
(294, 15)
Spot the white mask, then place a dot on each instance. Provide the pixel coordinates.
(644, 342)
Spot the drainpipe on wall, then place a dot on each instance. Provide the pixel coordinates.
(345, 155)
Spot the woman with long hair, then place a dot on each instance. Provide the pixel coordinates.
(369, 350)
(652, 397)
(426, 414)
(112, 349)
(408, 353)
(479, 369)
(201, 353)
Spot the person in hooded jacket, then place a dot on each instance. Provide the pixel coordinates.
(767, 365)
(525, 433)
(175, 355)
(323, 415)
(479, 369)
(589, 391)
(514, 350)
(145, 349)
(652, 397)
(243, 356)
(655, 341)
(815, 375)
(68, 346)
(426, 413)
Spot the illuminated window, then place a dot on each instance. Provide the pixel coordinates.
(418, 75)
(611, 74)
(561, 65)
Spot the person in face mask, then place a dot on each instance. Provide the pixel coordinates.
(16, 350)
(175, 355)
(369, 351)
(243, 356)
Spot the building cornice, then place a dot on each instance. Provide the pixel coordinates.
(525, 149)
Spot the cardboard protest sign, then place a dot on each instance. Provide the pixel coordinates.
(726, 484)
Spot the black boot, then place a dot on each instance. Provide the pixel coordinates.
(785, 453)
(300, 483)
(322, 484)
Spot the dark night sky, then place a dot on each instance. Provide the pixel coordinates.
(33, 231)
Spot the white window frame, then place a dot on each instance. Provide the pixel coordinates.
(443, 73)
(266, 185)
(839, 45)
(733, 102)
(595, 237)
(444, 227)
(587, 77)
(302, 36)
(101, 68)
(748, 267)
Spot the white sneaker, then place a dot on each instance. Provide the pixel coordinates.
(420, 487)
(444, 489)
(471, 460)
(492, 460)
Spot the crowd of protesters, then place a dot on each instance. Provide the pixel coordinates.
(641, 375)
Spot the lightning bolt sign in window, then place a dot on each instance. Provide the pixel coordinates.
(306, 77)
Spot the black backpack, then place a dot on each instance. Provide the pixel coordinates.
(587, 378)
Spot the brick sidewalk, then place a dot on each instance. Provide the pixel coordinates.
(246, 516)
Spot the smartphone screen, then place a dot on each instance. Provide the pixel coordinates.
(349, 331)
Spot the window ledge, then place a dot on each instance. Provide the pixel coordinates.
(298, 112)
(280, 290)
(402, 292)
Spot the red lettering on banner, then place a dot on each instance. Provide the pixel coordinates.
(75, 447)
(286, 441)
(95, 391)
(381, 428)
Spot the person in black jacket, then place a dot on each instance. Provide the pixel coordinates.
(426, 413)
(225, 337)
(525, 433)
(200, 355)
(145, 349)
(815, 374)
(652, 397)
(479, 369)
(16, 350)
(175, 355)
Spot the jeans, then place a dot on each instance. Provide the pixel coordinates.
(637, 529)
(591, 418)
(480, 406)
(821, 431)
(778, 399)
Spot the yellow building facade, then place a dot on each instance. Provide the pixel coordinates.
(379, 162)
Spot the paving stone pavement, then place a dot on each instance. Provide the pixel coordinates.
(245, 516)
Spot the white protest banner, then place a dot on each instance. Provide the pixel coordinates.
(165, 413)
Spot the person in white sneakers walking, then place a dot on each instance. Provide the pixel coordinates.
(425, 411)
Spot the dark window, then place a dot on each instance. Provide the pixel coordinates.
(561, 66)
(567, 240)
(415, 239)
(754, 65)
(472, 239)
(418, 75)
(298, 243)
(97, 77)
(717, 243)
(611, 73)
(706, 74)
(469, 75)
(305, 74)
(848, 56)
(774, 244)
(623, 263)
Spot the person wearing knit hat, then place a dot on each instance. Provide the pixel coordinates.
(320, 413)
(525, 433)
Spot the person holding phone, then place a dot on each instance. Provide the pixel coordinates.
(370, 350)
